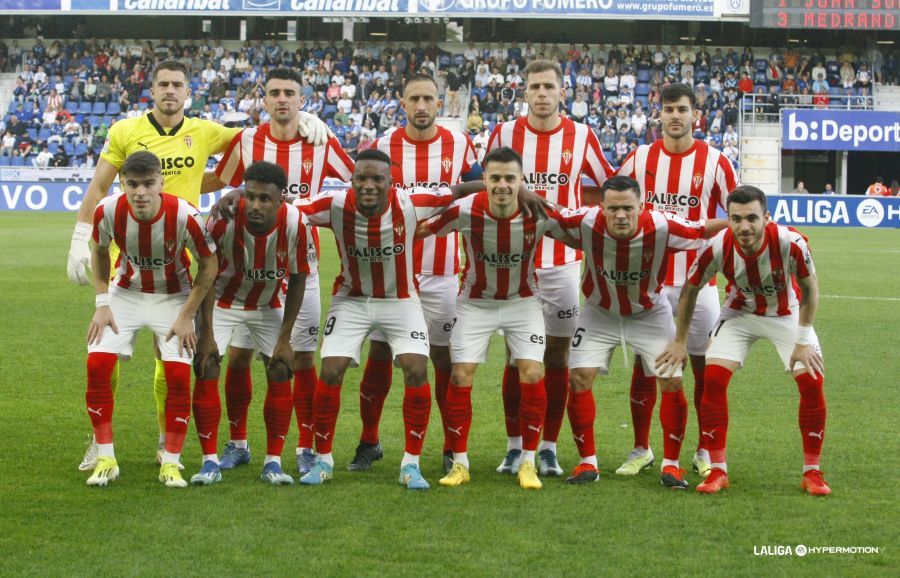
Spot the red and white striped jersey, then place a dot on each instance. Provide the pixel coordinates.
(499, 251)
(152, 256)
(691, 185)
(762, 283)
(252, 268)
(305, 165)
(553, 162)
(625, 276)
(438, 162)
(376, 253)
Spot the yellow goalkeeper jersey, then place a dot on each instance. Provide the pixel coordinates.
(183, 150)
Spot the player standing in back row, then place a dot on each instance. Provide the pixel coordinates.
(423, 154)
(556, 152)
(685, 176)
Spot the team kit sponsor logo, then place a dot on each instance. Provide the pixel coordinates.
(503, 260)
(622, 277)
(149, 263)
(375, 254)
(672, 202)
(263, 274)
(778, 284)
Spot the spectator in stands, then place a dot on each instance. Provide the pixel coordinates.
(895, 188)
(828, 190)
(621, 150)
(848, 75)
(731, 153)
(730, 137)
(8, 144)
(43, 158)
(745, 86)
(821, 99)
(60, 158)
(878, 188)
(864, 76)
(475, 121)
(820, 84)
(800, 189)
(579, 109)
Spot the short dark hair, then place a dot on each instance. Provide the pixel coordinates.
(266, 172)
(536, 66)
(284, 74)
(141, 163)
(174, 65)
(373, 155)
(620, 183)
(502, 155)
(746, 194)
(418, 77)
(675, 92)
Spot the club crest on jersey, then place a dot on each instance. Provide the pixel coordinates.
(567, 156)
(307, 165)
(697, 180)
(778, 279)
(281, 255)
(529, 238)
(189, 141)
(446, 164)
(399, 229)
(170, 246)
(647, 257)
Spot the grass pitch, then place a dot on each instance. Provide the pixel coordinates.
(366, 524)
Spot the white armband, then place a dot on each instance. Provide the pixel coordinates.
(804, 335)
(101, 300)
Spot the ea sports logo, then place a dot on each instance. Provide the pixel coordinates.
(870, 213)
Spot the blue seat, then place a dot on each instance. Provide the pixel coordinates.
(17, 161)
(72, 107)
(143, 105)
(44, 133)
(459, 59)
(145, 93)
(644, 100)
(760, 64)
(641, 89)
(99, 108)
(69, 148)
(94, 120)
(84, 108)
(81, 149)
(67, 79)
(13, 104)
(53, 147)
(643, 75)
(32, 132)
(4, 161)
(113, 108)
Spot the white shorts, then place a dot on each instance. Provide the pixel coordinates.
(705, 315)
(599, 332)
(351, 319)
(132, 312)
(260, 326)
(560, 296)
(305, 335)
(437, 294)
(478, 319)
(734, 334)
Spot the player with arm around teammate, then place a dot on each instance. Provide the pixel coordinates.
(772, 294)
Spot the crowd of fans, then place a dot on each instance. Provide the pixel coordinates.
(68, 93)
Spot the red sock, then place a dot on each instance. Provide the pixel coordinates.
(326, 405)
(531, 413)
(304, 390)
(698, 370)
(556, 384)
(714, 410)
(643, 399)
(178, 404)
(373, 389)
(441, 383)
(812, 416)
(277, 415)
(459, 417)
(99, 397)
(416, 411)
(238, 393)
(673, 410)
(207, 413)
(582, 412)
(511, 399)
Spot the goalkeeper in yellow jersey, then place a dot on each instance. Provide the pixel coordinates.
(183, 146)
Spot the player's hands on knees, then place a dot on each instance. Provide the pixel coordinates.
(225, 207)
(810, 358)
(673, 357)
(103, 317)
(206, 357)
(79, 260)
(183, 330)
(532, 204)
(282, 355)
(313, 129)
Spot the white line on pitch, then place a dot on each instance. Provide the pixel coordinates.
(851, 297)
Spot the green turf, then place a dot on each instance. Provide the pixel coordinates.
(363, 524)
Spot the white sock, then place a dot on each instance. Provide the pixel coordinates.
(809, 468)
(408, 458)
(301, 450)
(240, 444)
(106, 451)
(641, 449)
(666, 462)
(461, 458)
(211, 458)
(589, 460)
(721, 466)
(528, 456)
(703, 454)
(162, 438)
(514, 443)
(327, 458)
(547, 446)
(170, 458)
(269, 459)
